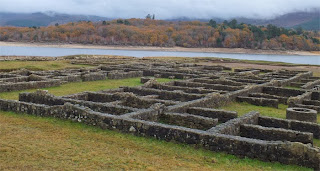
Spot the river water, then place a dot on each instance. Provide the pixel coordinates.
(55, 52)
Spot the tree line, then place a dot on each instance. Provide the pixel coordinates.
(151, 32)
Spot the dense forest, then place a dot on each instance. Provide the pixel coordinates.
(150, 32)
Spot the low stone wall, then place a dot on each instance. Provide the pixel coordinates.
(188, 120)
(166, 74)
(296, 78)
(123, 75)
(274, 134)
(244, 80)
(302, 114)
(311, 85)
(213, 100)
(299, 99)
(218, 81)
(284, 92)
(232, 127)
(297, 84)
(316, 108)
(163, 94)
(145, 79)
(315, 95)
(216, 68)
(222, 115)
(185, 89)
(69, 78)
(283, 100)
(311, 102)
(205, 85)
(43, 98)
(93, 76)
(40, 97)
(259, 101)
(28, 85)
(291, 124)
(15, 79)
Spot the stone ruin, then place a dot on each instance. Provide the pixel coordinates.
(185, 110)
(24, 79)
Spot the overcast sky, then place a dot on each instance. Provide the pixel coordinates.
(163, 9)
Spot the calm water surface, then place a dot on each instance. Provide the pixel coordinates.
(55, 52)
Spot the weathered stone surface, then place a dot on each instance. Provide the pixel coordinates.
(182, 111)
(145, 79)
(259, 101)
(291, 124)
(222, 115)
(302, 114)
(274, 134)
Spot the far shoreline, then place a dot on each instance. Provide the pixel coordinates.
(167, 49)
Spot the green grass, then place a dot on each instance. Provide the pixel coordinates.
(243, 108)
(290, 87)
(77, 87)
(37, 65)
(35, 143)
(316, 142)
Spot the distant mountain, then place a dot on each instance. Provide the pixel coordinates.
(307, 20)
(43, 19)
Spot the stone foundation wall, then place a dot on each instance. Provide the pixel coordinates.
(165, 74)
(290, 124)
(163, 94)
(93, 76)
(28, 85)
(311, 85)
(296, 78)
(285, 92)
(232, 127)
(284, 152)
(259, 101)
(275, 134)
(123, 75)
(299, 99)
(222, 115)
(188, 121)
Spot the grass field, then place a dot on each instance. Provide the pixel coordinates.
(77, 87)
(243, 108)
(38, 65)
(35, 143)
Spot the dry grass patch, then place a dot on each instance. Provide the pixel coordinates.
(37, 65)
(77, 87)
(34, 143)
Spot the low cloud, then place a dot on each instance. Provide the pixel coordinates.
(164, 9)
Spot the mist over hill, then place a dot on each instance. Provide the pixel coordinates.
(308, 20)
(43, 19)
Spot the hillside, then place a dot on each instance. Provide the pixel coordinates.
(307, 20)
(42, 19)
(160, 33)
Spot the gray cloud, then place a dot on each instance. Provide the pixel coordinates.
(164, 9)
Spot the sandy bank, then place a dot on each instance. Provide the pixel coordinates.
(172, 49)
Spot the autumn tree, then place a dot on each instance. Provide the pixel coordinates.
(213, 23)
